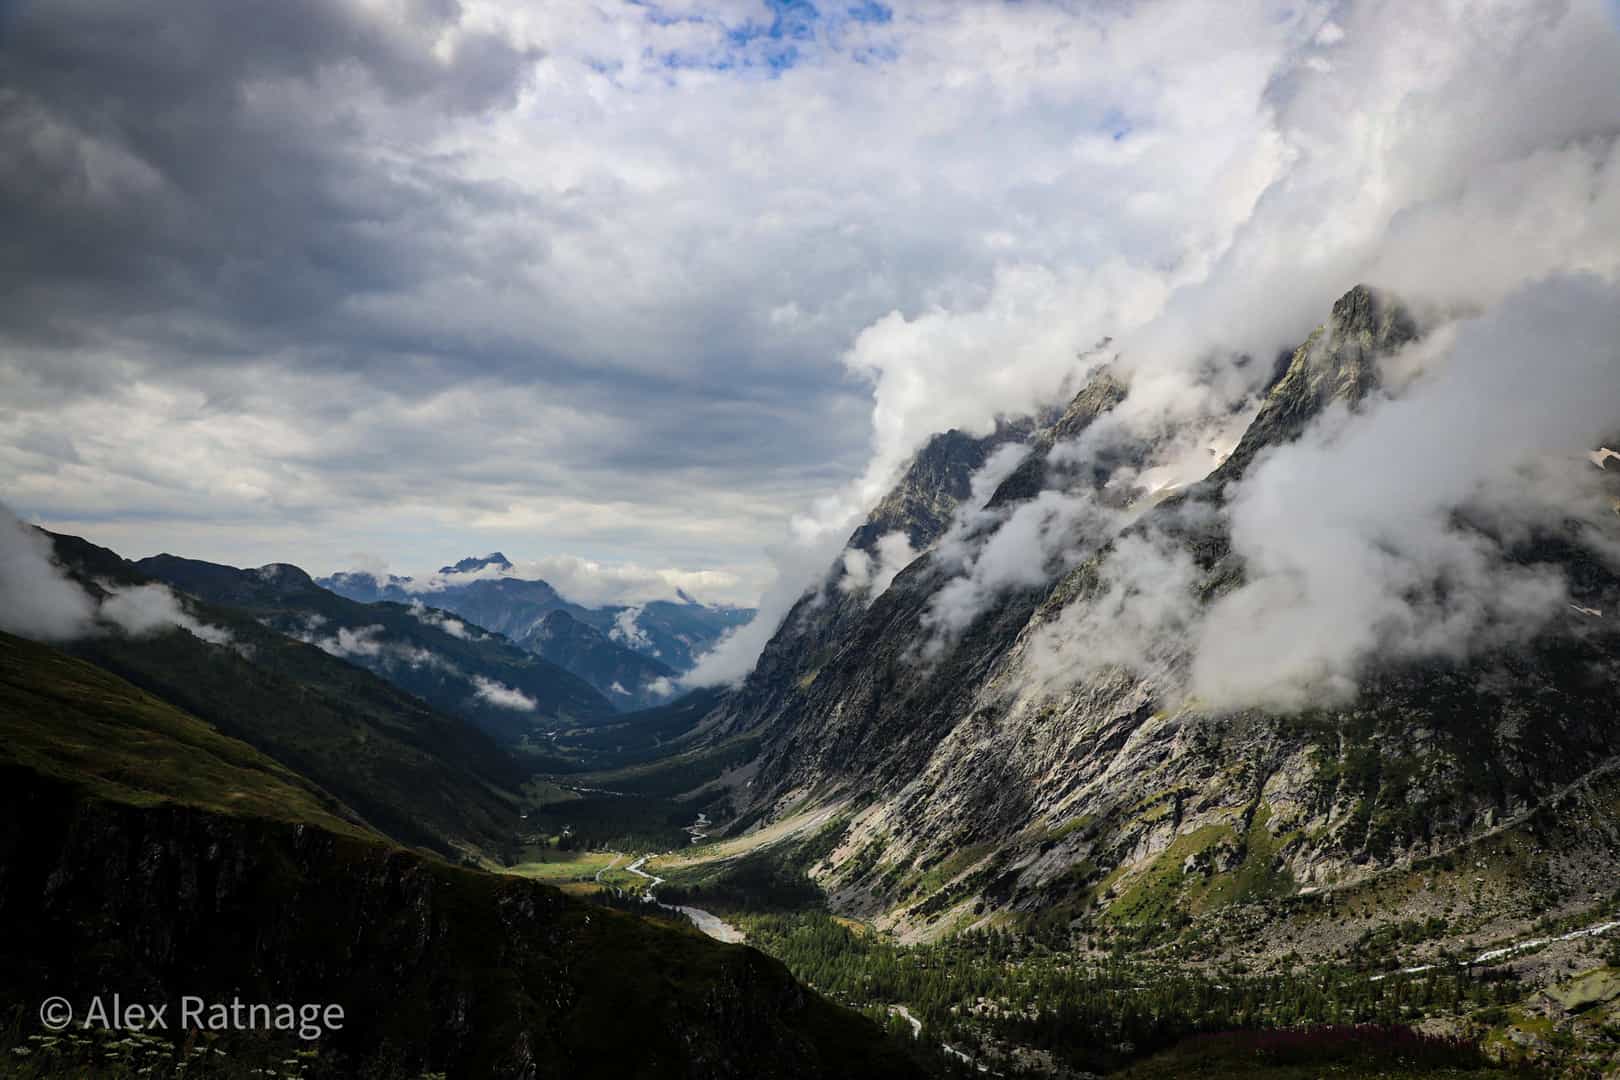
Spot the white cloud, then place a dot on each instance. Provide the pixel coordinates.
(36, 599)
(1350, 537)
(590, 271)
(141, 610)
(626, 631)
(367, 643)
(596, 584)
(1138, 616)
(502, 696)
(442, 620)
(871, 577)
(814, 539)
(359, 641)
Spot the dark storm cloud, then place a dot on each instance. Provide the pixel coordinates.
(200, 164)
(251, 236)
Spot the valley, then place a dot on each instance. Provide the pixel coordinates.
(786, 540)
(1442, 855)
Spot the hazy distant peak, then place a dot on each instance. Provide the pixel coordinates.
(472, 564)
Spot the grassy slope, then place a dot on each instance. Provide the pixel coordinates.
(66, 718)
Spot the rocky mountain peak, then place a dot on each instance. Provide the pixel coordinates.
(473, 563)
(1338, 362)
(939, 477)
(1104, 390)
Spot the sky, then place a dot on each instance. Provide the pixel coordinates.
(671, 290)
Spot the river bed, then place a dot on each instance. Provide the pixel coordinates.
(706, 921)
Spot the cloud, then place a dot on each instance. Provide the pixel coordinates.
(347, 642)
(1034, 543)
(37, 600)
(871, 577)
(141, 610)
(548, 267)
(367, 643)
(1138, 614)
(814, 539)
(1254, 202)
(596, 584)
(433, 617)
(1387, 534)
(1351, 537)
(627, 633)
(501, 695)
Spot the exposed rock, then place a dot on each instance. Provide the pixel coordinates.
(1096, 789)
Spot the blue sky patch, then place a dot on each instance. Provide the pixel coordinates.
(786, 34)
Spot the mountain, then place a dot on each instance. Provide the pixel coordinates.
(508, 692)
(143, 849)
(672, 633)
(417, 775)
(972, 782)
(65, 718)
(675, 633)
(619, 674)
(472, 564)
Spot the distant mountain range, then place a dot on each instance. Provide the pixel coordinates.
(509, 692)
(631, 654)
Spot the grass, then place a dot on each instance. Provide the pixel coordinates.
(569, 866)
(544, 792)
(1167, 885)
(66, 718)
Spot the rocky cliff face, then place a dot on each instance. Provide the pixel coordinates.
(973, 780)
(815, 636)
(437, 967)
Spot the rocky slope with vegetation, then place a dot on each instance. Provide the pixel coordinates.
(971, 786)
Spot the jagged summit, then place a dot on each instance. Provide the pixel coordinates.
(1104, 390)
(473, 563)
(1338, 362)
(936, 481)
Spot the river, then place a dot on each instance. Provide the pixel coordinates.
(706, 921)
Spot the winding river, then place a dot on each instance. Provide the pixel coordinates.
(706, 921)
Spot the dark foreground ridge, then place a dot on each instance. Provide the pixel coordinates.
(115, 880)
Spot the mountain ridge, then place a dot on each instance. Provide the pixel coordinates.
(1076, 798)
(510, 693)
(666, 633)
